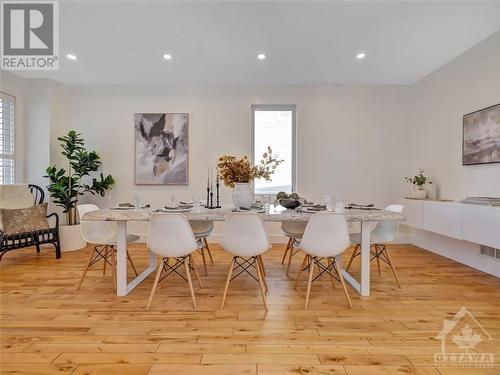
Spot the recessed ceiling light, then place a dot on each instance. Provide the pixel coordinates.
(167, 56)
(361, 55)
(261, 56)
(71, 56)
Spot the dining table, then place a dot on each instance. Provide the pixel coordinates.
(368, 218)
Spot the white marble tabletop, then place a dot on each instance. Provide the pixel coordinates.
(275, 214)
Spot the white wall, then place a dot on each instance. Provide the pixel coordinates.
(468, 83)
(342, 133)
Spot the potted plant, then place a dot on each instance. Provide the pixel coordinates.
(66, 186)
(418, 182)
(239, 173)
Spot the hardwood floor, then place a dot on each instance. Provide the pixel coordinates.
(49, 327)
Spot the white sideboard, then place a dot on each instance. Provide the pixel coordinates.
(473, 223)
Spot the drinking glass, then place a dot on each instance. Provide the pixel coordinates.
(137, 201)
(196, 202)
(339, 203)
(326, 200)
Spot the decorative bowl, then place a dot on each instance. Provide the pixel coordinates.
(290, 203)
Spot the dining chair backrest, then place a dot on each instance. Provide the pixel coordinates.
(96, 232)
(387, 231)
(170, 235)
(244, 234)
(326, 235)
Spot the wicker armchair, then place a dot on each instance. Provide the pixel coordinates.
(34, 238)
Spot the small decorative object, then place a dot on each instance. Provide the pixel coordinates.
(431, 189)
(289, 201)
(161, 148)
(239, 173)
(66, 187)
(481, 136)
(418, 182)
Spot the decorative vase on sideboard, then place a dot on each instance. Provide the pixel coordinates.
(243, 195)
(419, 192)
(71, 238)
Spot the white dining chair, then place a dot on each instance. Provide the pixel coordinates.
(202, 229)
(326, 237)
(171, 237)
(246, 239)
(294, 231)
(102, 235)
(383, 233)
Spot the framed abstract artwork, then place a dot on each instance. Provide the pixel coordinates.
(481, 136)
(161, 148)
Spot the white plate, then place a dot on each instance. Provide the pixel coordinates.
(177, 209)
(123, 208)
(308, 209)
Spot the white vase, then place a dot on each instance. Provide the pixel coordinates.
(243, 195)
(419, 193)
(71, 238)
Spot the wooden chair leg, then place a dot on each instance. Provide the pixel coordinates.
(105, 252)
(289, 260)
(193, 267)
(86, 268)
(155, 284)
(113, 268)
(332, 279)
(208, 250)
(261, 263)
(261, 283)
(353, 255)
(286, 250)
(309, 282)
(306, 259)
(132, 264)
(228, 279)
(166, 261)
(262, 273)
(190, 282)
(341, 278)
(391, 264)
(202, 250)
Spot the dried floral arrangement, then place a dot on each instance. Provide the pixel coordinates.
(233, 170)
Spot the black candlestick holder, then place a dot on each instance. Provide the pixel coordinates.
(218, 196)
(208, 198)
(211, 200)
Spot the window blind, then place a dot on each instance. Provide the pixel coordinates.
(7, 139)
(274, 126)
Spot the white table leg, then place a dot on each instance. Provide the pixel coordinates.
(121, 266)
(363, 286)
(122, 286)
(365, 258)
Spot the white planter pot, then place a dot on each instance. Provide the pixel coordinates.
(71, 238)
(243, 195)
(419, 193)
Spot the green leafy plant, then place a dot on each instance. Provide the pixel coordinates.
(65, 187)
(418, 180)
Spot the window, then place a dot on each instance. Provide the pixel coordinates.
(7, 164)
(274, 126)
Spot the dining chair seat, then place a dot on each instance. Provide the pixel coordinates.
(103, 237)
(326, 237)
(171, 237)
(294, 231)
(201, 230)
(382, 234)
(246, 239)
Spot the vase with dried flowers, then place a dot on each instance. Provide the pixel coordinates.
(238, 174)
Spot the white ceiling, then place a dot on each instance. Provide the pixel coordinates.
(306, 42)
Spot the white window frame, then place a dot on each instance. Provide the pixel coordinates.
(5, 96)
(279, 107)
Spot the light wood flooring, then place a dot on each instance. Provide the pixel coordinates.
(48, 327)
